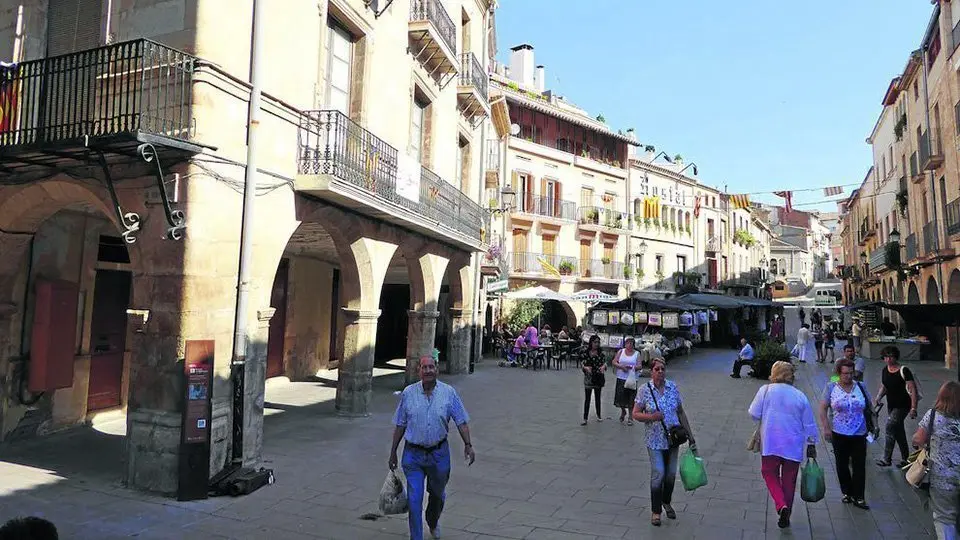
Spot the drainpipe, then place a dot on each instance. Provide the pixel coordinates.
(474, 317)
(933, 175)
(239, 359)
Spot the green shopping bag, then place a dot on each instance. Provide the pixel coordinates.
(693, 473)
(813, 486)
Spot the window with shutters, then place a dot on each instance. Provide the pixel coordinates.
(339, 67)
(549, 245)
(73, 25)
(586, 253)
(586, 196)
(418, 128)
(608, 253)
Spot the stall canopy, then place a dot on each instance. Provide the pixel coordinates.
(670, 304)
(717, 301)
(862, 305)
(935, 314)
(755, 302)
(536, 293)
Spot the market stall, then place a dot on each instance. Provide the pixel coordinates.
(937, 317)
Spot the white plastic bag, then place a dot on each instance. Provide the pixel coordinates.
(631, 382)
(393, 498)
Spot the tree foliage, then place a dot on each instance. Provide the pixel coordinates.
(523, 313)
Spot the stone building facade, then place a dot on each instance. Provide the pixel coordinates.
(122, 159)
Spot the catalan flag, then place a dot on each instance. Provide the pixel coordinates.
(651, 207)
(547, 267)
(787, 199)
(832, 191)
(740, 201)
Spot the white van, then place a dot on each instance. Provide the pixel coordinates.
(825, 297)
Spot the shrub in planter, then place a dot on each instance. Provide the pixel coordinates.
(566, 268)
(768, 352)
(605, 260)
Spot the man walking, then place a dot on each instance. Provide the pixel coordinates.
(422, 422)
(744, 358)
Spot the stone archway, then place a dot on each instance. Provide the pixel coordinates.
(933, 291)
(953, 287)
(913, 294)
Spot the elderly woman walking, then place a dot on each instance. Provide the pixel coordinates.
(847, 430)
(626, 361)
(787, 424)
(660, 407)
(944, 458)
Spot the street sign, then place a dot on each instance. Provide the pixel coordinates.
(497, 286)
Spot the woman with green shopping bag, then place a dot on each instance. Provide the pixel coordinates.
(660, 407)
(786, 425)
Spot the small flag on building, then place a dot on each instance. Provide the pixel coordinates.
(547, 267)
(740, 201)
(787, 199)
(832, 191)
(696, 206)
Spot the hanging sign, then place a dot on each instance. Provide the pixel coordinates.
(599, 317)
(671, 320)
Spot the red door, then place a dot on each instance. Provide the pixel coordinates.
(278, 324)
(108, 335)
(712, 273)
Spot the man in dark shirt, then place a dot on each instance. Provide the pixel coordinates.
(887, 328)
(897, 383)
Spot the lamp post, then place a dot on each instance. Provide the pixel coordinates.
(508, 197)
(641, 249)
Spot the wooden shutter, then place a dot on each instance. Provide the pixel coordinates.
(608, 251)
(549, 245)
(73, 25)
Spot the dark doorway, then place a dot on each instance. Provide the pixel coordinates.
(392, 326)
(278, 323)
(108, 331)
(335, 317)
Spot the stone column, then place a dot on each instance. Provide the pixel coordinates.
(458, 346)
(421, 333)
(354, 383)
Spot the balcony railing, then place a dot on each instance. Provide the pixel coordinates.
(434, 12)
(911, 250)
(332, 144)
(931, 155)
(952, 213)
(597, 215)
(548, 207)
(529, 263)
(931, 239)
(914, 167)
(880, 262)
(120, 89)
(472, 74)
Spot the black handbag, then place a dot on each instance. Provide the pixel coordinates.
(676, 435)
(867, 410)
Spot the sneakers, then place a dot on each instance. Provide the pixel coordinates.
(435, 532)
(784, 520)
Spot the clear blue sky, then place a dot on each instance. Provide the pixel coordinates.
(761, 95)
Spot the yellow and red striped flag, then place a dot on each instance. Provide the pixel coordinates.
(547, 267)
(740, 201)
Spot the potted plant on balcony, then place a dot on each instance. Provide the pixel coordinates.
(640, 275)
(673, 228)
(605, 260)
(659, 275)
(617, 221)
(627, 272)
(646, 222)
(566, 268)
(591, 216)
(493, 202)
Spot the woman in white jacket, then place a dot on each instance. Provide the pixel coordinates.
(787, 424)
(803, 342)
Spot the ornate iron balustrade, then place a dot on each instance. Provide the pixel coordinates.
(330, 143)
(434, 12)
(472, 74)
(598, 215)
(952, 213)
(914, 167)
(120, 89)
(597, 268)
(879, 261)
(529, 263)
(550, 207)
(931, 238)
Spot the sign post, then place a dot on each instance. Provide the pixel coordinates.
(194, 463)
(497, 286)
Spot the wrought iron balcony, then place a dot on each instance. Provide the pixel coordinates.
(342, 162)
(914, 168)
(548, 207)
(931, 155)
(472, 94)
(952, 213)
(533, 264)
(433, 38)
(603, 217)
(885, 258)
(911, 251)
(110, 99)
(601, 269)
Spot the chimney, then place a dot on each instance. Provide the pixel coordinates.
(521, 64)
(540, 79)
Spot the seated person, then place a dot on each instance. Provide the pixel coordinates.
(744, 358)
(519, 345)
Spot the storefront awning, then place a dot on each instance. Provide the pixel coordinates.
(930, 314)
(716, 301)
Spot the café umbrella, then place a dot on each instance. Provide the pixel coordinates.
(593, 295)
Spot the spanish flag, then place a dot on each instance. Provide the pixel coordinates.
(547, 267)
(740, 201)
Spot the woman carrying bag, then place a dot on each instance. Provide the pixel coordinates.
(660, 407)
(594, 364)
(627, 362)
(847, 430)
(786, 425)
(939, 433)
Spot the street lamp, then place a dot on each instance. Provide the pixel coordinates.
(642, 248)
(508, 197)
(863, 257)
(894, 236)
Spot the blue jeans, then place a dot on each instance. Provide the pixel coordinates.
(946, 510)
(434, 467)
(663, 476)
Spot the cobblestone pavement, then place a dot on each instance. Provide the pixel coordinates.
(538, 473)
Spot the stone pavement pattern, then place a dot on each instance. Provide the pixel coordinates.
(538, 473)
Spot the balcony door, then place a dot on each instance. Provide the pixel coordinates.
(339, 68)
(73, 25)
(550, 199)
